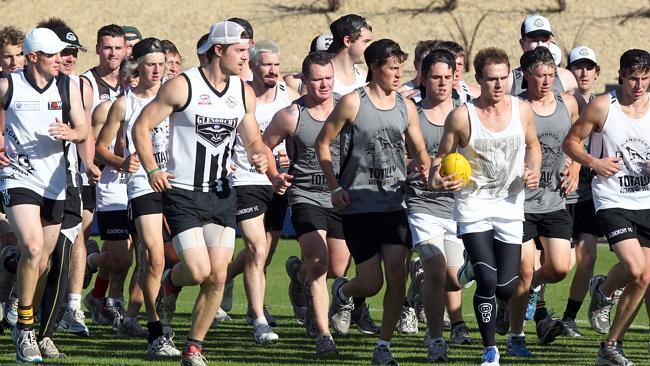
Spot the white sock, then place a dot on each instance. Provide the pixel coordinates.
(260, 321)
(517, 334)
(74, 301)
(381, 342)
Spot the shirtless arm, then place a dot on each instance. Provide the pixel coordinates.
(344, 113)
(591, 119)
(569, 82)
(108, 132)
(571, 173)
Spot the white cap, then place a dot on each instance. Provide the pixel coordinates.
(43, 40)
(323, 42)
(225, 32)
(582, 53)
(556, 51)
(534, 25)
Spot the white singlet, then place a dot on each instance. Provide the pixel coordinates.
(342, 89)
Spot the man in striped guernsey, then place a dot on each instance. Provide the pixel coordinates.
(207, 106)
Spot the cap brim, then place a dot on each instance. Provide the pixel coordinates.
(205, 47)
(582, 59)
(538, 33)
(55, 47)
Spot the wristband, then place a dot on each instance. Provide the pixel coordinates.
(336, 190)
(157, 169)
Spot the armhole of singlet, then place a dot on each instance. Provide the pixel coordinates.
(10, 92)
(189, 93)
(295, 130)
(243, 95)
(360, 91)
(63, 85)
(612, 100)
(469, 124)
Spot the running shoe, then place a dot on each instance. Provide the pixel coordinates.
(340, 311)
(408, 321)
(74, 321)
(600, 306)
(382, 356)
(27, 349)
(48, 349)
(517, 347)
(325, 345)
(360, 316)
(460, 335)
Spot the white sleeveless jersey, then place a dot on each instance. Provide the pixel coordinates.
(37, 159)
(246, 173)
(137, 184)
(111, 188)
(202, 133)
(342, 89)
(628, 139)
(496, 188)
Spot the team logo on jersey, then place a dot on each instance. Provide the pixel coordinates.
(384, 144)
(104, 97)
(27, 106)
(23, 164)
(231, 102)
(204, 99)
(54, 106)
(215, 130)
(634, 154)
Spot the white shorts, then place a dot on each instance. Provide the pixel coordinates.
(505, 230)
(432, 235)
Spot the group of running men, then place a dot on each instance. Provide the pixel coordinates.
(172, 161)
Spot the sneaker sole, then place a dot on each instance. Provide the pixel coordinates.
(552, 335)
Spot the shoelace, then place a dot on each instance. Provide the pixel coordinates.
(28, 338)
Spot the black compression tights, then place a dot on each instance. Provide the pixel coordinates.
(56, 290)
(496, 270)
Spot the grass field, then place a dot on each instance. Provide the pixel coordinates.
(232, 343)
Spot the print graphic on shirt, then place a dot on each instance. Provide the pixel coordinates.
(159, 139)
(215, 130)
(551, 155)
(384, 147)
(495, 157)
(635, 157)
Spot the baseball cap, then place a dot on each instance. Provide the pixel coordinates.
(582, 53)
(556, 51)
(67, 35)
(535, 25)
(321, 43)
(43, 40)
(131, 33)
(146, 46)
(225, 32)
(345, 26)
(633, 58)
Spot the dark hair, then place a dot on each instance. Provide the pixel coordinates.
(320, 58)
(633, 61)
(454, 47)
(438, 55)
(378, 53)
(11, 35)
(169, 46)
(51, 23)
(111, 30)
(350, 26)
(424, 47)
(489, 56)
(245, 24)
(533, 58)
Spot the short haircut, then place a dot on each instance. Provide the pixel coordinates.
(537, 57)
(422, 48)
(633, 61)
(437, 55)
(378, 53)
(489, 56)
(351, 26)
(51, 23)
(111, 30)
(320, 58)
(260, 47)
(245, 24)
(454, 47)
(11, 35)
(169, 47)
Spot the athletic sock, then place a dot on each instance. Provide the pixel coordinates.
(381, 342)
(74, 301)
(25, 318)
(260, 321)
(192, 345)
(101, 285)
(572, 308)
(155, 330)
(522, 334)
(541, 312)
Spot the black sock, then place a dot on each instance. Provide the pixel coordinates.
(486, 313)
(541, 312)
(572, 308)
(155, 330)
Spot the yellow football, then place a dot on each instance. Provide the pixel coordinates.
(456, 163)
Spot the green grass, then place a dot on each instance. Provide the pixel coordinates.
(232, 343)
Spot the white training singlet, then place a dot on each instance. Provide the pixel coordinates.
(137, 184)
(264, 112)
(342, 89)
(202, 133)
(37, 159)
(496, 188)
(628, 139)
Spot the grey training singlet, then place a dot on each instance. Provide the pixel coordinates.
(551, 131)
(373, 167)
(583, 193)
(309, 184)
(518, 78)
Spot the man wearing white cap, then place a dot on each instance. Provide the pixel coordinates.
(536, 31)
(41, 111)
(320, 43)
(207, 106)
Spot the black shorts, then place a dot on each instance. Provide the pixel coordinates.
(307, 218)
(620, 224)
(89, 198)
(365, 233)
(277, 211)
(584, 219)
(148, 204)
(252, 201)
(51, 210)
(556, 224)
(72, 208)
(113, 225)
(185, 209)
